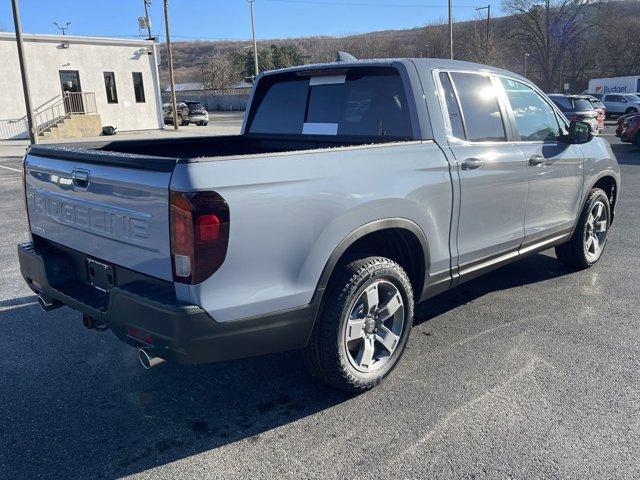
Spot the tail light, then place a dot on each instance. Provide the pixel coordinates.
(199, 224)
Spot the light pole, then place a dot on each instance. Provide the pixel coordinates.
(170, 65)
(450, 30)
(526, 57)
(63, 28)
(255, 43)
(488, 9)
(147, 3)
(31, 126)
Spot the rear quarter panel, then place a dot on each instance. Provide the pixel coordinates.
(290, 211)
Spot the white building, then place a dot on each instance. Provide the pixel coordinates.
(106, 81)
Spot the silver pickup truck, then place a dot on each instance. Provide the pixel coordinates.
(354, 190)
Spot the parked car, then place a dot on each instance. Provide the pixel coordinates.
(620, 123)
(619, 103)
(183, 113)
(197, 113)
(600, 110)
(354, 190)
(631, 129)
(578, 108)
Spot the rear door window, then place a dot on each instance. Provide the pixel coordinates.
(455, 118)
(481, 113)
(582, 104)
(367, 102)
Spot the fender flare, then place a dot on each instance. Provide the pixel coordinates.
(596, 179)
(358, 233)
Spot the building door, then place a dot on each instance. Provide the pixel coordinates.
(71, 91)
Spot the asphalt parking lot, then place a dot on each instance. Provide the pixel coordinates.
(528, 372)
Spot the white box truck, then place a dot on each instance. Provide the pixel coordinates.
(603, 86)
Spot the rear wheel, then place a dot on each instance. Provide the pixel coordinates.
(364, 325)
(586, 245)
(631, 110)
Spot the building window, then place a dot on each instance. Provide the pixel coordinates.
(110, 86)
(138, 87)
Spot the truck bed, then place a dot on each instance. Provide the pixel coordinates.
(162, 154)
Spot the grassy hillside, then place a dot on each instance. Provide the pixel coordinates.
(609, 45)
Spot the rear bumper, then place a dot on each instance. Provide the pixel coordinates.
(199, 117)
(146, 314)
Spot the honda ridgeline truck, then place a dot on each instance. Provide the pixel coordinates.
(355, 190)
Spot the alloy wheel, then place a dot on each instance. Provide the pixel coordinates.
(374, 327)
(595, 234)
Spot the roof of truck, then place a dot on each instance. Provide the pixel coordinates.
(426, 63)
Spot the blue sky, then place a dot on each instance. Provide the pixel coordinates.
(229, 19)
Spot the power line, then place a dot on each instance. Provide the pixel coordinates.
(367, 4)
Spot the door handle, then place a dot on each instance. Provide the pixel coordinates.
(471, 164)
(536, 160)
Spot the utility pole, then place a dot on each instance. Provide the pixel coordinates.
(255, 43)
(170, 64)
(31, 126)
(488, 9)
(450, 30)
(147, 3)
(526, 57)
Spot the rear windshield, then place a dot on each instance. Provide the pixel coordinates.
(568, 104)
(367, 102)
(581, 104)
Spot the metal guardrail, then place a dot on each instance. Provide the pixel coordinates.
(71, 103)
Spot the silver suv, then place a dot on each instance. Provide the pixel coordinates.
(619, 103)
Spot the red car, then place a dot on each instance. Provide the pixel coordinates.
(631, 129)
(620, 122)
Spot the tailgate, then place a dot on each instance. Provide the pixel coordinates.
(108, 211)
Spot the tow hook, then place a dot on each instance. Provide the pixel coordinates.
(147, 360)
(92, 323)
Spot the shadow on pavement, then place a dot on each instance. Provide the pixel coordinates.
(533, 269)
(626, 153)
(75, 403)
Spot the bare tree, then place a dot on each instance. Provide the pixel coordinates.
(618, 49)
(436, 36)
(546, 29)
(217, 72)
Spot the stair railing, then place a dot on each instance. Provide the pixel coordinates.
(71, 103)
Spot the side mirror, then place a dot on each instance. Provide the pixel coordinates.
(579, 132)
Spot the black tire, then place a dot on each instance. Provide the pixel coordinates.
(631, 110)
(574, 253)
(326, 355)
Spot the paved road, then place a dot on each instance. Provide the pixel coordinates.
(528, 372)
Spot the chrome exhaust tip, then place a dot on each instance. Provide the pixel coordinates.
(47, 305)
(148, 360)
